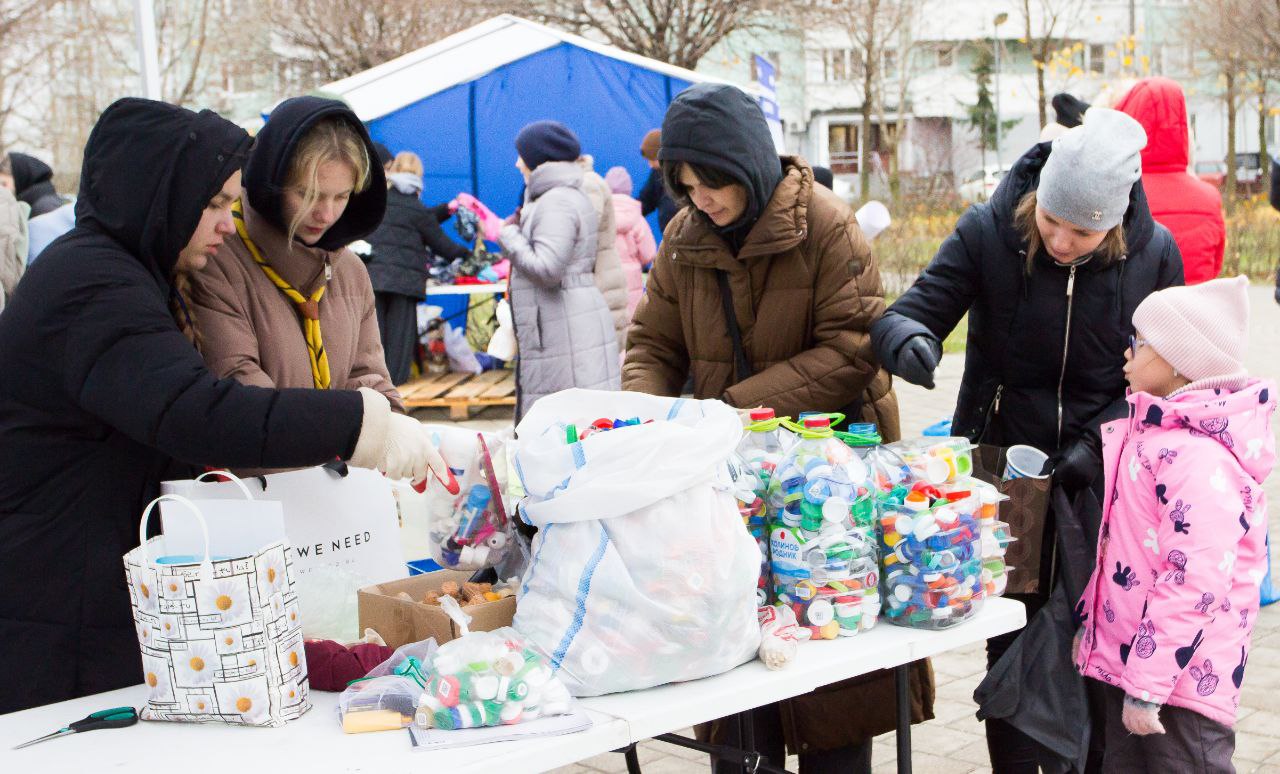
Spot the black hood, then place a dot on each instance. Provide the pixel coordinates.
(32, 178)
(28, 170)
(722, 127)
(1024, 178)
(268, 167)
(150, 169)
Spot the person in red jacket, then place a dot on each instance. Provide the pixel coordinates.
(1187, 206)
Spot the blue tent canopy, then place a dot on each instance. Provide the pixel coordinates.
(459, 103)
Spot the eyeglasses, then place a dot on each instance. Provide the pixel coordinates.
(1135, 344)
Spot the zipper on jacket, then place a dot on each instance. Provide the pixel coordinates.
(1066, 341)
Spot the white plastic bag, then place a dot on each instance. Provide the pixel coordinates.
(642, 572)
(462, 358)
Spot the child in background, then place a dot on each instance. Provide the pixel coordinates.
(1168, 614)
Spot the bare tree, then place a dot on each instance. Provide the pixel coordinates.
(1047, 25)
(23, 41)
(679, 32)
(337, 38)
(91, 60)
(1221, 34)
(874, 27)
(905, 53)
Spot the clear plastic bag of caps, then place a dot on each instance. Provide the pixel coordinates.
(488, 679)
(936, 460)
(996, 537)
(472, 532)
(475, 535)
(932, 563)
(822, 539)
(765, 441)
(748, 493)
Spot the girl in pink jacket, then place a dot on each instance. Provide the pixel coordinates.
(636, 246)
(1168, 614)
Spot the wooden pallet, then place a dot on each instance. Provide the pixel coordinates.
(461, 392)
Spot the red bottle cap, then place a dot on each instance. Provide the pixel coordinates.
(762, 414)
(817, 423)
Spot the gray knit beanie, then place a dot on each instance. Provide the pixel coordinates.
(1092, 168)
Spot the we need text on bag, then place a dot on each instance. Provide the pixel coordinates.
(642, 572)
(221, 635)
(341, 523)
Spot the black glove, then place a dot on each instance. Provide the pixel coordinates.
(1076, 466)
(917, 357)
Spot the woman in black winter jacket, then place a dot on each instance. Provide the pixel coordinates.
(403, 247)
(102, 397)
(32, 183)
(1049, 272)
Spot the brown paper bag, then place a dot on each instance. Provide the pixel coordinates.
(1026, 512)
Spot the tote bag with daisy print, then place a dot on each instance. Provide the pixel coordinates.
(221, 636)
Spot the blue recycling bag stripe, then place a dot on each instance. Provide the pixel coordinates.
(533, 566)
(579, 455)
(675, 409)
(580, 610)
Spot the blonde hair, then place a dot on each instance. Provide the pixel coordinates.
(1112, 248)
(407, 161)
(333, 139)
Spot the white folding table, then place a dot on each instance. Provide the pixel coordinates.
(668, 708)
(315, 742)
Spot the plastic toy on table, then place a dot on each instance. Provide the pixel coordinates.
(822, 540)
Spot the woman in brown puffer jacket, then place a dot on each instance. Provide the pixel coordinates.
(790, 261)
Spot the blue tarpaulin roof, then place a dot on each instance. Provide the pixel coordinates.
(459, 103)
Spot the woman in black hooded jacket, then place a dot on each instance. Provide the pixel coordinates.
(1049, 272)
(101, 394)
(33, 183)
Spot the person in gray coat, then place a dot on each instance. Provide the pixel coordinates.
(564, 331)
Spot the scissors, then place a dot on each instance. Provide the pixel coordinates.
(117, 717)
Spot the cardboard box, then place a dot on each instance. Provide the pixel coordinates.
(401, 622)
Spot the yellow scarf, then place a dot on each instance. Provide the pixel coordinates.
(308, 308)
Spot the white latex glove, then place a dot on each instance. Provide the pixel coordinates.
(409, 453)
(397, 445)
(1141, 717)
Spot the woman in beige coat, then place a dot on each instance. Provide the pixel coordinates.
(284, 303)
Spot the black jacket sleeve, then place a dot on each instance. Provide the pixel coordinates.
(128, 365)
(1275, 182)
(651, 193)
(433, 235)
(941, 295)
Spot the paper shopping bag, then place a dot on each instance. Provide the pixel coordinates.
(1026, 513)
(221, 636)
(343, 527)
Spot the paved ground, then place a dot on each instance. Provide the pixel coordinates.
(953, 743)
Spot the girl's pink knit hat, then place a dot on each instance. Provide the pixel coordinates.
(1201, 330)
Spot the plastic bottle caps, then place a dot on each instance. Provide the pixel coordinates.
(817, 422)
(762, 415)
(821, 612)
(916, 502)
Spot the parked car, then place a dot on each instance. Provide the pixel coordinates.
(978, 185)
(1248, 172)
(1212, 172)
